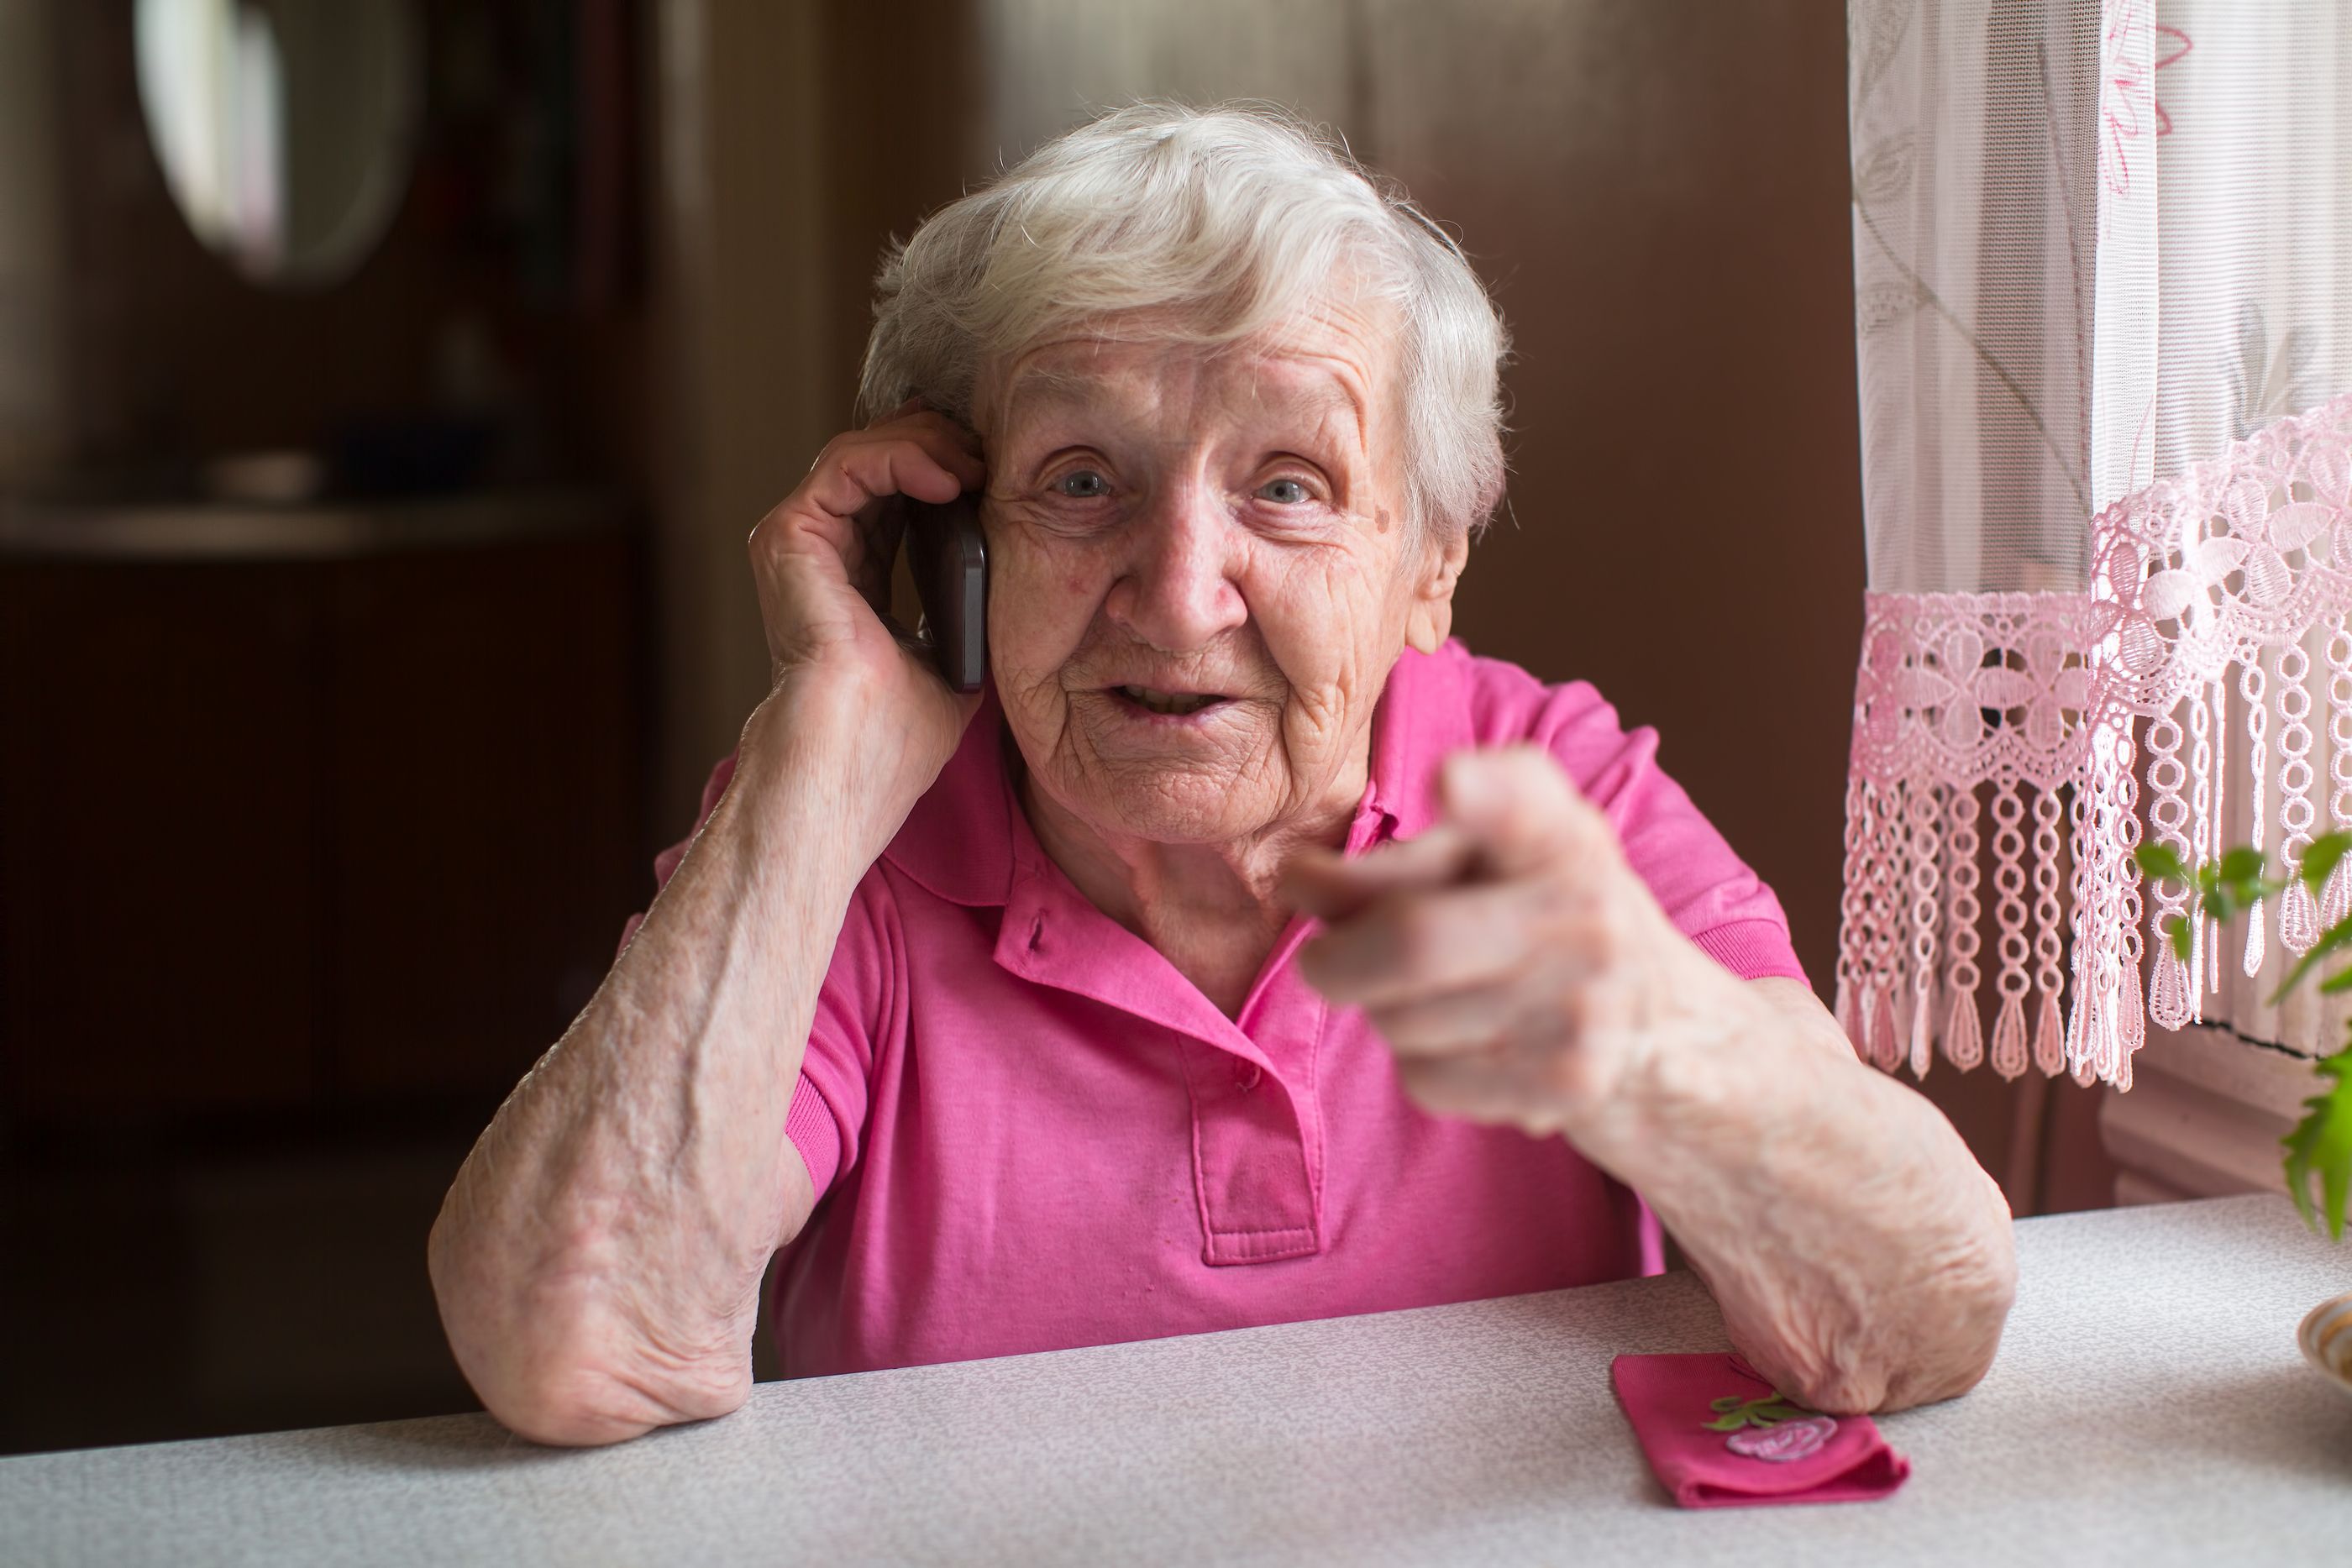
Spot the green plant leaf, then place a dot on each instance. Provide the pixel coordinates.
(2247, 890)
(2241, 865)
(2320, 858)
(2321, 1144)
(2162, 862)
(1771, 1409)
(2333, 938)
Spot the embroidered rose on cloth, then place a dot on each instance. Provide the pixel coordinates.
(1786, 1443)
(1718, 1435)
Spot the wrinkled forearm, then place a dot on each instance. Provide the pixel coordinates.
(598, 1259)
(1862, 1259)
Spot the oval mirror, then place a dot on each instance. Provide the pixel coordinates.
(285, 127)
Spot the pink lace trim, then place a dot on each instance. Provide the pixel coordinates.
(1968, 734)
(2225, 571)
(2030, 711)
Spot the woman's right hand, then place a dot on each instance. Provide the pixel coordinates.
(822, 564)
(598, 1261)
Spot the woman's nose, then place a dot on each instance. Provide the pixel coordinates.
(1178, 592)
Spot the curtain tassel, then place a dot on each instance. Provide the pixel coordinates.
(1886, 1044)
(1923, 1037)
(2050, 1035)
(1964, 1033)
(2009, 1038)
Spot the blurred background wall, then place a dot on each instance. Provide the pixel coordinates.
(360, 641)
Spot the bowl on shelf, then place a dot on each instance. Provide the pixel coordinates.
(2326, 1336)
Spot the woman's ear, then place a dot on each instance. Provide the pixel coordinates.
(1429, 620)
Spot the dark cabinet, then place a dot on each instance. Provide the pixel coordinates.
(338, 833)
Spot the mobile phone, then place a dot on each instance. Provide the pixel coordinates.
(948, 559)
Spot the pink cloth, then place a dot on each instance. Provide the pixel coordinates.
(1029, 1132)
(1718, 1435)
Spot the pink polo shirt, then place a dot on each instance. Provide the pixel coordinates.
(1028, 1131)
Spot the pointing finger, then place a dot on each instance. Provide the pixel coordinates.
(1518, 805)
(1414, 944)
(1450, 1024)
(1332, 888)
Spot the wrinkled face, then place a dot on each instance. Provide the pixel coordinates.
(1201, 571)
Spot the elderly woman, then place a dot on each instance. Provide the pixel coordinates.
(1249, 951)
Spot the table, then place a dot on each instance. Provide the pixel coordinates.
(2148, 1406)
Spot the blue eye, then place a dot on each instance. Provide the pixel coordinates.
(1286, 492)
(1083, 485)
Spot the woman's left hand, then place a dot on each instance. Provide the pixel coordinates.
(1522, 974)
(1517, 966)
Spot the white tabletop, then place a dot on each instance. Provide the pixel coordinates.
(2148, 1407)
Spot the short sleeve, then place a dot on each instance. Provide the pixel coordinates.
(863, 987)
(1709, 893)
(861, 1004)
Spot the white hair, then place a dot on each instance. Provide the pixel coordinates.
(1229, 220)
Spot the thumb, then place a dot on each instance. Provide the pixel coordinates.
(1518, 805)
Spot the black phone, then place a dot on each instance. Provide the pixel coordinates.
(948, 559)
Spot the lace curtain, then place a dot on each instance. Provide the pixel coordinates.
(2103, 262)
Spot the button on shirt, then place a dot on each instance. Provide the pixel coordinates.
(1028, 1131)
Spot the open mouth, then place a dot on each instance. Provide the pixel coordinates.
(1174, 703)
